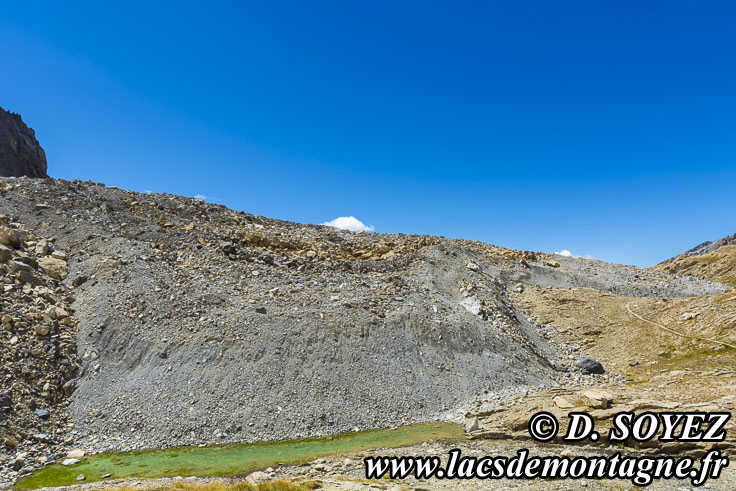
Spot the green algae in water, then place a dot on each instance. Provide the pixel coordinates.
(228, 460)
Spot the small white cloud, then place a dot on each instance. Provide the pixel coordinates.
(207, 199)
(566, 253)
(349, 223)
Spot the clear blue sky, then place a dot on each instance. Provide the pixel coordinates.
(605, 128)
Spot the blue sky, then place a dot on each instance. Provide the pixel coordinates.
(604, 128)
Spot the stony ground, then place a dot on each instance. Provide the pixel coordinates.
(38, 352)
(197, 324)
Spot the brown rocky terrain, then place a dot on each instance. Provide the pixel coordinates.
(38, 356)
(20, 152)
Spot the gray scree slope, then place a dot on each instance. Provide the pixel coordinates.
(203, 324)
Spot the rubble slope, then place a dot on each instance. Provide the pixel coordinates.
(200, 324)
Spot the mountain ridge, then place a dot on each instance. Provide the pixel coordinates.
(703, 248)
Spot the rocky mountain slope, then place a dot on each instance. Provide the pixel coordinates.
(719, 264)
(704, 248)
(198, 324)
(20, 152)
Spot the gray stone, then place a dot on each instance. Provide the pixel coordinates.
(257, 477)
(5, 400)
(471, 304)
(588, 366)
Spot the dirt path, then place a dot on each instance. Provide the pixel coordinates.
(709, 340)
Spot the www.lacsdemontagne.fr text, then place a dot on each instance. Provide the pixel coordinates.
(641, 470)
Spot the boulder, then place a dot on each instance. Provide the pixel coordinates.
(255, 478)
(471, 424)
(6, 254)
(588, 366)
(56, 268)
(9, 238)
(61, 313)
(597, 399)
(42, 247)
(17, 464)
(18, 266)
(59, 255)
(41, 330)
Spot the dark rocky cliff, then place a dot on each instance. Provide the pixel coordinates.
(20, 152)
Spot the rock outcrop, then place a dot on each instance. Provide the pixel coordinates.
(20, 152)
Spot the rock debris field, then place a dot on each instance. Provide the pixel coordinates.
(150, 320)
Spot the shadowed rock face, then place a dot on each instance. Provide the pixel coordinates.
(20, 152)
